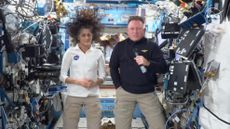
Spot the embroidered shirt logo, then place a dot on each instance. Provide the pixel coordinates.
(144, 50)
(76, 57)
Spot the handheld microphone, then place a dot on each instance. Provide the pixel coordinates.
(142, 68)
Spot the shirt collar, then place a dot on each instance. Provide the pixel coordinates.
(137, 42)
(77, 47)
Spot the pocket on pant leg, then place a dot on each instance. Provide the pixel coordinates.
(93, 107)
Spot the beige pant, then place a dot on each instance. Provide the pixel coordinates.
(72, 109)
(148, 103)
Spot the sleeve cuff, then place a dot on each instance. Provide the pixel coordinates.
(117, 86)
(63, 78)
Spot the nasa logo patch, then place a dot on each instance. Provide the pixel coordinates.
(76, 57)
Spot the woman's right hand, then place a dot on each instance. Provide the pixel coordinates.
(87, 83)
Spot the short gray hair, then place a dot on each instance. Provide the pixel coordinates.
(138, 18)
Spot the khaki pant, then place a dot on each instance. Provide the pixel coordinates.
(148, 103)
(72, 109)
